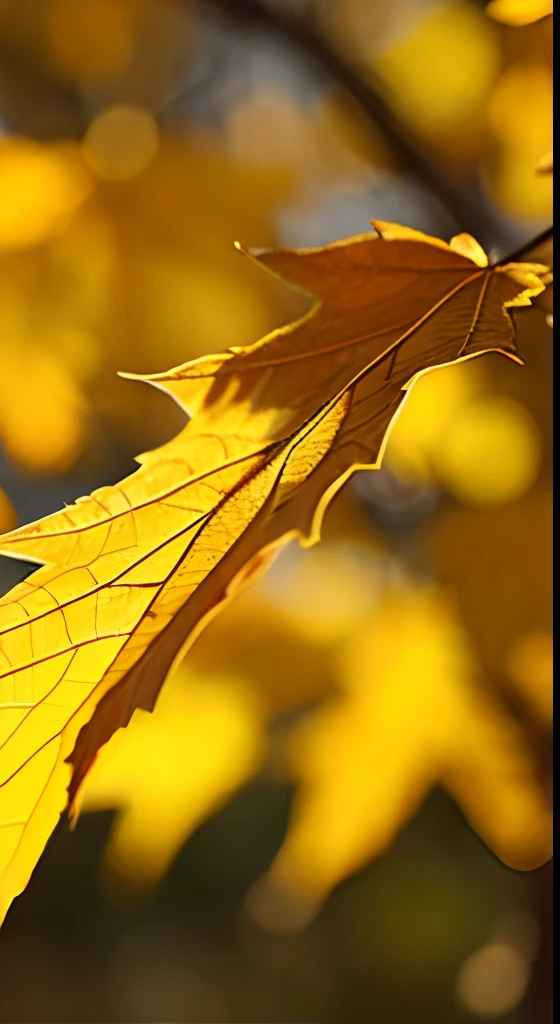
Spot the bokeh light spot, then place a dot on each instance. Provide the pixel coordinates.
(41, 423)
(519, 12)
(442, 71)
(433, 401)
(520, 108)
(327, 592)
(490, 452)
(120, 142)
(493, 980)
(40, 187)
(520, 114)
(269, 129)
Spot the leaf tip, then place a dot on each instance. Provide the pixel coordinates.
(253, 252)
(129, 376)
(467, 246)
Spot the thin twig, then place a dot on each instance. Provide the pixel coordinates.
(524, 250)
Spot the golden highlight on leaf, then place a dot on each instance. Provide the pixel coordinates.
(131, 574)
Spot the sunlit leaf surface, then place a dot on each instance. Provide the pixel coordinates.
(132, 573)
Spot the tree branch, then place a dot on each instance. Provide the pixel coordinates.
(33, 104)
(529, 247)
(468, 207)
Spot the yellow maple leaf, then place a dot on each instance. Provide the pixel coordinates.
(519, 12)
(132, 573)
(413, 713)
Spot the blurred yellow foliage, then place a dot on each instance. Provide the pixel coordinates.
(441, 75)
(482, 448)
(412, 710)
(41, 187)
(8, 518)
(520, 113)
(544, 165)
(170, 770)
(499, 559)
(326, 593)
(432, 404)
(41, 410)
(319, 141)
(529, 667)
(521, 94)
(120, 142)
(103, 50)
(490, 452)
(413, 713)
(125, 280)
(519, 12)
(89, 38)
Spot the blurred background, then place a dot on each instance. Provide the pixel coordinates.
(339, 810)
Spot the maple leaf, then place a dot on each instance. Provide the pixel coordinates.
(131, 573)
(411, 714)
(405, 709)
